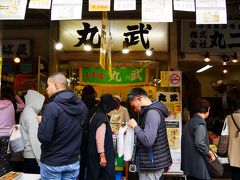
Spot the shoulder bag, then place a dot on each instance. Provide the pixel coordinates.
(214, 167)
(222, 148)
(238, 129)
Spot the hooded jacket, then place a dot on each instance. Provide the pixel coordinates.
(7, 117)
(29, 125)
(60, 130)
(153, 151)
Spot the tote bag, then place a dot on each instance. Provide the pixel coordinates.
(16, 142)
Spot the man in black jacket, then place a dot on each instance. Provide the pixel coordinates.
(60, 130)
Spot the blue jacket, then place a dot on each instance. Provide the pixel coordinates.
(60, 131)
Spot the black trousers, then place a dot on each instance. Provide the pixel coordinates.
(235, 173)
(31, 166)
(4, 159)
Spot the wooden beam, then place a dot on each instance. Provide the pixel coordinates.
(93, 56)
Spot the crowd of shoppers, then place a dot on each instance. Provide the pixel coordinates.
(67, 132)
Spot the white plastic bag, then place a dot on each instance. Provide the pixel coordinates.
(16, 141)
(125, 142)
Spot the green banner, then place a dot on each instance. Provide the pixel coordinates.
(120, 76)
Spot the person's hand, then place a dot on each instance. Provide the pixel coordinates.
(39, 119)
(211, 155)
(103, 160)
(132, 123)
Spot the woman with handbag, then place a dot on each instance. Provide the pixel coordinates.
(233, 129)
(7, 120)
(195, 143)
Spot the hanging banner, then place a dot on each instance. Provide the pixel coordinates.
(171, 78)
(39, 4)
(66, 10)
(211, 12)
(174, 125)
(120, 76)
(157, 11)
(184, 5)
(124, 5)
(99, 5)
(210, 37)
(12, 9)
(103, 47)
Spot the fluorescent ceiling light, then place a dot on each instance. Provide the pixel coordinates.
(204, 68)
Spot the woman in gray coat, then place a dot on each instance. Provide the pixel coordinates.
(195, 143)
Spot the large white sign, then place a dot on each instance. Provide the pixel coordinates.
(124, 5)
(184, 5)
(12, 9)
(39, 4)
(65, 9)
(211, 12)
(138, 36)
(210, 37)
(157, 11)
(99, 5)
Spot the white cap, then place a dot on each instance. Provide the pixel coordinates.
(118, 97)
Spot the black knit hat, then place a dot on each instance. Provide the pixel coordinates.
(108, 103)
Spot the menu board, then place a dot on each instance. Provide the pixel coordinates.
(157, 11)
(12, 9)
(211, 12)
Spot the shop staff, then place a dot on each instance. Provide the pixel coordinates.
(60, 131)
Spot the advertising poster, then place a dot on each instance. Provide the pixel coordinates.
(124, 5)
(174, 126)
(211, 12)
(39, 4)
(184, 5)
(66, 10)
(157, 11)
(12, 9)
(99, 5)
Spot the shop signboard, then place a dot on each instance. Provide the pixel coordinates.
(137, 36)
(12, 9)
(99, 5)
(171, 78)
(120, 76)
(157, 11)
(174, 125)
(13, 48)
(210, 37)
(184, 5)
(39, 4)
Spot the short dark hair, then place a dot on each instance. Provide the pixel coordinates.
(235, 103)
(201, 105)
(135, 92)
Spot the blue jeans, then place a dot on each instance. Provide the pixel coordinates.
(68, 172)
